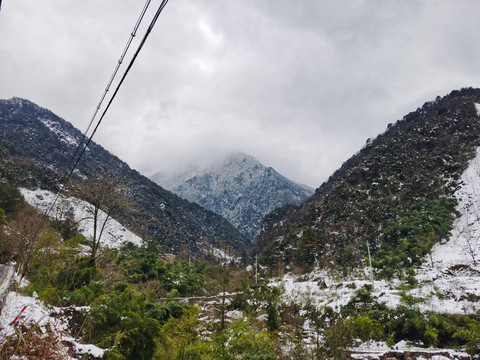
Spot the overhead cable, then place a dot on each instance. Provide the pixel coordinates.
(120, 61)
(147, 33)
(140, 46)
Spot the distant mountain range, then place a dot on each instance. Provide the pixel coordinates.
(36, 147)
(239, 188)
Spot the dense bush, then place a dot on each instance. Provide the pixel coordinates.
(141, 265)
(368, 319)
(57, 274)
(409, 238)
(10, 201)
(10, 197)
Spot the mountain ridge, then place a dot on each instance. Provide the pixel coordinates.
(418, 158)
(35, 133)
(239, 188)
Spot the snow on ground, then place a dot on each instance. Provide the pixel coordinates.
(35, 313)
(376, 350)
(220, 254)
(453, 270)
(322, 289)
(115, 234)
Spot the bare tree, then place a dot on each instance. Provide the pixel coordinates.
(24, 230)
(103, 191)
(471, 213)
(470, 238)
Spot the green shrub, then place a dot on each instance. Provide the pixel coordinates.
(366, 328)
(411, 236)
(3, 218)
(87, 294)
(10, 198)
(49, 295)
(242, 341)
(141, 265)
(125, 321)
(78, 273)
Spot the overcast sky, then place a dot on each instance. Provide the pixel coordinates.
(299, 84)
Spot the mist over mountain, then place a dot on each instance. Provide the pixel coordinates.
(239, 188)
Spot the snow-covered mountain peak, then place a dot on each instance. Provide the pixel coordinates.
(237, 187)
(232, 165)
(241, 158)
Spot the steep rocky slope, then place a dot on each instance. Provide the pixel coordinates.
(416, 162)
(37, 149)
(239, 188)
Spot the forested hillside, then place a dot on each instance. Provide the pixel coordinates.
(399, 186)
(39, 139)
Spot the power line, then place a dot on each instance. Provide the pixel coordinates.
(115, 71)
(133, 34)
(140, 46)
(68, 173)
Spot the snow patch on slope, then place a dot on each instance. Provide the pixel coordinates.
(115, 234)
(58, 131)
(477, 106)
(463, 246)
(453, 269)
(221, 255)
(321, 289)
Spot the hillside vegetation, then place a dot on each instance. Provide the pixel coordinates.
(396, 193)
(410, 196)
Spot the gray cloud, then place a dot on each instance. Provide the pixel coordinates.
(299, 84)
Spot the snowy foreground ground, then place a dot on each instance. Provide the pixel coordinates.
(52, 318)
(48, 319)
